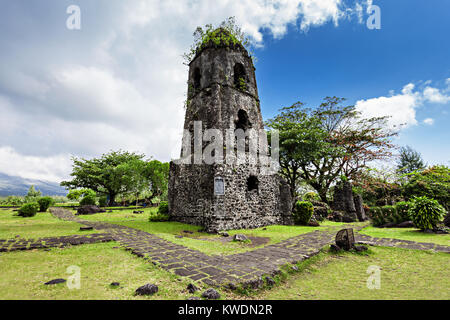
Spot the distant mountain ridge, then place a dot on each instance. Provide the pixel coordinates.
(18, 186)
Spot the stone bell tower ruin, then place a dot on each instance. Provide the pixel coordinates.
(222, 94)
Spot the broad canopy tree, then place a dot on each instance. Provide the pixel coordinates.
(320, 145)
(117, 172)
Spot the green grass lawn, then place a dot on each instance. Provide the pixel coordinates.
(407, 234)
(24, 273)
(212, 245)
(43, 224)
(405, 274)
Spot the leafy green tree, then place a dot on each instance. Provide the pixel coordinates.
(32, 195)
(378, 187)
(136, 178)
(433, 182)
(75, 194)
(302, 140)
(410, 160)
(319, 145)
(158, 175)
(111, 174)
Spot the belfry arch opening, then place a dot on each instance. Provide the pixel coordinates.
(252, 183)
(243, 122)
(240, 78)
(197, 78)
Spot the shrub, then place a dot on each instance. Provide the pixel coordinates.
(88, 200)
(29, 209)
(45, 203)
(303, 211)
(163, 207)
(159, 217)
(376, 215)
(402, 208)
(389, 214)
(426, 213)
(13, 201)
(311, 196)
(103, 201)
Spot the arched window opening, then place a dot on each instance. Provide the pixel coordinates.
(252, 183)
(243, 122)
(240, 78)
(197, 78)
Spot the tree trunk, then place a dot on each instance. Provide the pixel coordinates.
(112, 198)
(323, 196)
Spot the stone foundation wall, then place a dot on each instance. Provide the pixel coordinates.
(192, 199)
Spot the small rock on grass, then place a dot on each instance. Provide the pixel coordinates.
(211, 294)
(240, 237)
(335, 248)
(147, 290)
(191, 288)
(360, 248)
(55, 281)
(232, 286)
(193, 298)
(406, 224)
(270, 282)
(115, 284)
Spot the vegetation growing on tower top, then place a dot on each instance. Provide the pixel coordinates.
(227, 34)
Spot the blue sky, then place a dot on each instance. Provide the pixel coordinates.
(119, 81)
(354, 62)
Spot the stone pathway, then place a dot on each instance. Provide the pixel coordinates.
(405, 244)
(52, 242)
(242, 268)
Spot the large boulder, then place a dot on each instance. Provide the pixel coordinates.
(320, 210)
(360, 212)
(89, 209)
(336, 216)
(343, 201)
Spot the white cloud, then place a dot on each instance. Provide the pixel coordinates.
(120, 81)
(434, 95)
(401, 108)
(54, 168)
(428, 121)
